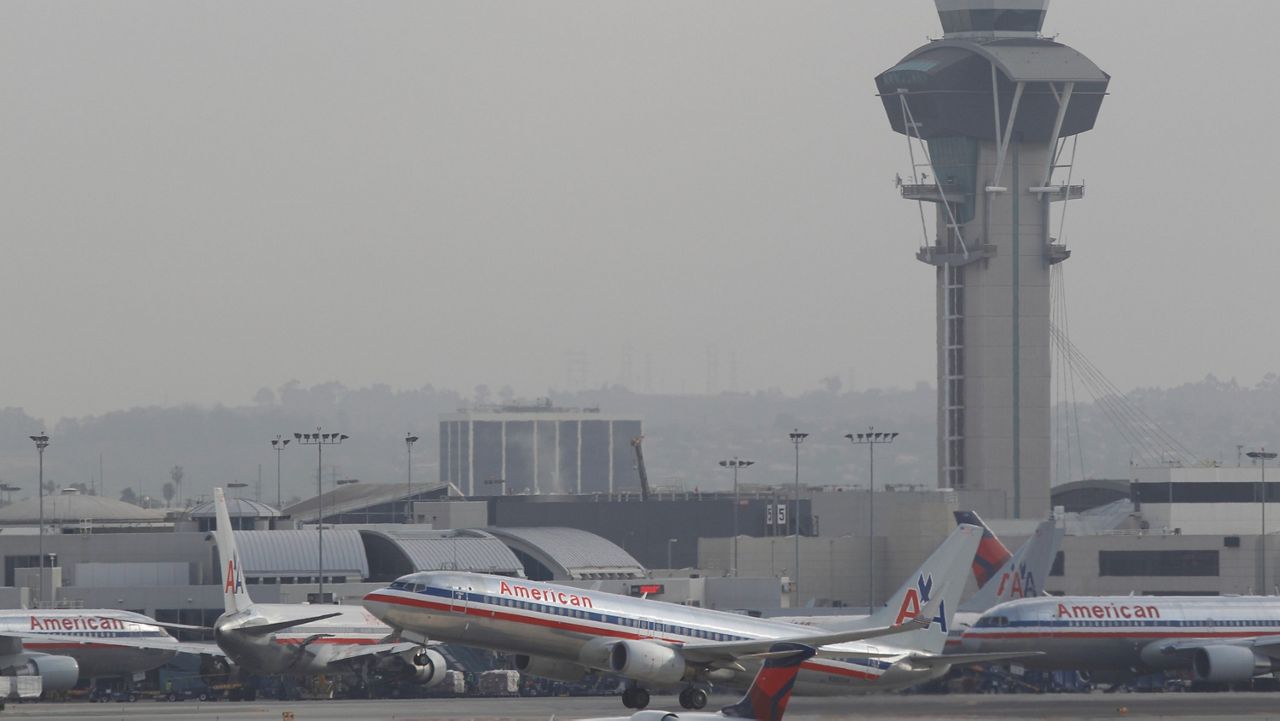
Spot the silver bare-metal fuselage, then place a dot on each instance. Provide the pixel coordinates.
(1118, 633)
(95, 648)
(575, 625)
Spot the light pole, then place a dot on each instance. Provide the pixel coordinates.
(1262, 456)
(871, 439)
(278, 443)
(670, 543)
(409, 440)
(735, 463)
(320, 440)
(42, 442)
(797, 438)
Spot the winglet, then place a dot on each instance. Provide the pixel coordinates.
(234, 595)
(766, 699)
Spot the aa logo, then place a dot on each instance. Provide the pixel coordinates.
(1019, 584)
(916, 599)
(234, 582)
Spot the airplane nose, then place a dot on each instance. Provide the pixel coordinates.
(374, 606)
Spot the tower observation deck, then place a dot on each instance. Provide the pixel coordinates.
(988, 110)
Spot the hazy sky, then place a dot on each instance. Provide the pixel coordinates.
(201, 199)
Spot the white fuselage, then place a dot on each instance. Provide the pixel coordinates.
(94, 631)
(1111, 633)
(303, 649)
(561, 623)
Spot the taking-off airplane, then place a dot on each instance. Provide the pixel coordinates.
(562, 632)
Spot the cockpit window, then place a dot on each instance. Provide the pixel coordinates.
(399, 585)
(993, 622)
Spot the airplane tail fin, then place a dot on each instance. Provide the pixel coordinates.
(766, 699)
(938, 583)
(991, 555)
(1024, 574)
(234, 595)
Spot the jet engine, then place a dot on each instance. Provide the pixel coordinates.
(550, 668)
(421, 665)
(647, 661)
(57, 673)
(1225, 664)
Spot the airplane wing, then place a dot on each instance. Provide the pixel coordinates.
(150, 644)
(958, 659)
(731, 651)
(361, 652)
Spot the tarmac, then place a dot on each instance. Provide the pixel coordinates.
(880, 707)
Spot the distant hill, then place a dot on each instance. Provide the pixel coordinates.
(685, 435)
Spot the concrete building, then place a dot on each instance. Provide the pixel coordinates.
(538, 449)
(987, 110)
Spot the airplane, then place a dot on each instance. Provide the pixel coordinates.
(301, 639)
(62, 646)
(1218, 638)
(765, 700)
(561, 632)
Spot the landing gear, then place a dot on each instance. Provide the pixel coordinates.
(693, 698)
(635, 697)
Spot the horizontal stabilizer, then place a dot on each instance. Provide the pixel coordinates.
(266, 628)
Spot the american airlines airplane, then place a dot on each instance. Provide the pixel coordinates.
(561, 632)
(1219, 638)
(62, 646)
(301, 639)
(765, 700)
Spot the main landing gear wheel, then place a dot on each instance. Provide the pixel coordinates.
(635, 697)
(693, 698)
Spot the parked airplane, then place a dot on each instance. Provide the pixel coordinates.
(765, 700)
(561, 632)
(295, 638)
(62, 646)
(1223, 639)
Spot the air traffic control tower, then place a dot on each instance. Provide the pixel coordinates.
(990, 112)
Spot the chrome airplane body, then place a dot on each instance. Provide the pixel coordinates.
(63, 646)
(1221, 639)
(562, 632)
(302, 639)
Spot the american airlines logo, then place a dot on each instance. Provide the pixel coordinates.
(234, 581)
(1021, 583)
(916, 599)
(76, 623)
(1107, 610)
(538, 594)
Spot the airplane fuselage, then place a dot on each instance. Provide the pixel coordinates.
(574, 625)
(94, 631)
(1118, 633)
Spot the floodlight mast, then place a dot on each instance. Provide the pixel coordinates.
(320, 440)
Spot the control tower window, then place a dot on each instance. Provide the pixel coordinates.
(974, 20)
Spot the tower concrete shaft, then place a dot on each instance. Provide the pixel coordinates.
(987, 111)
